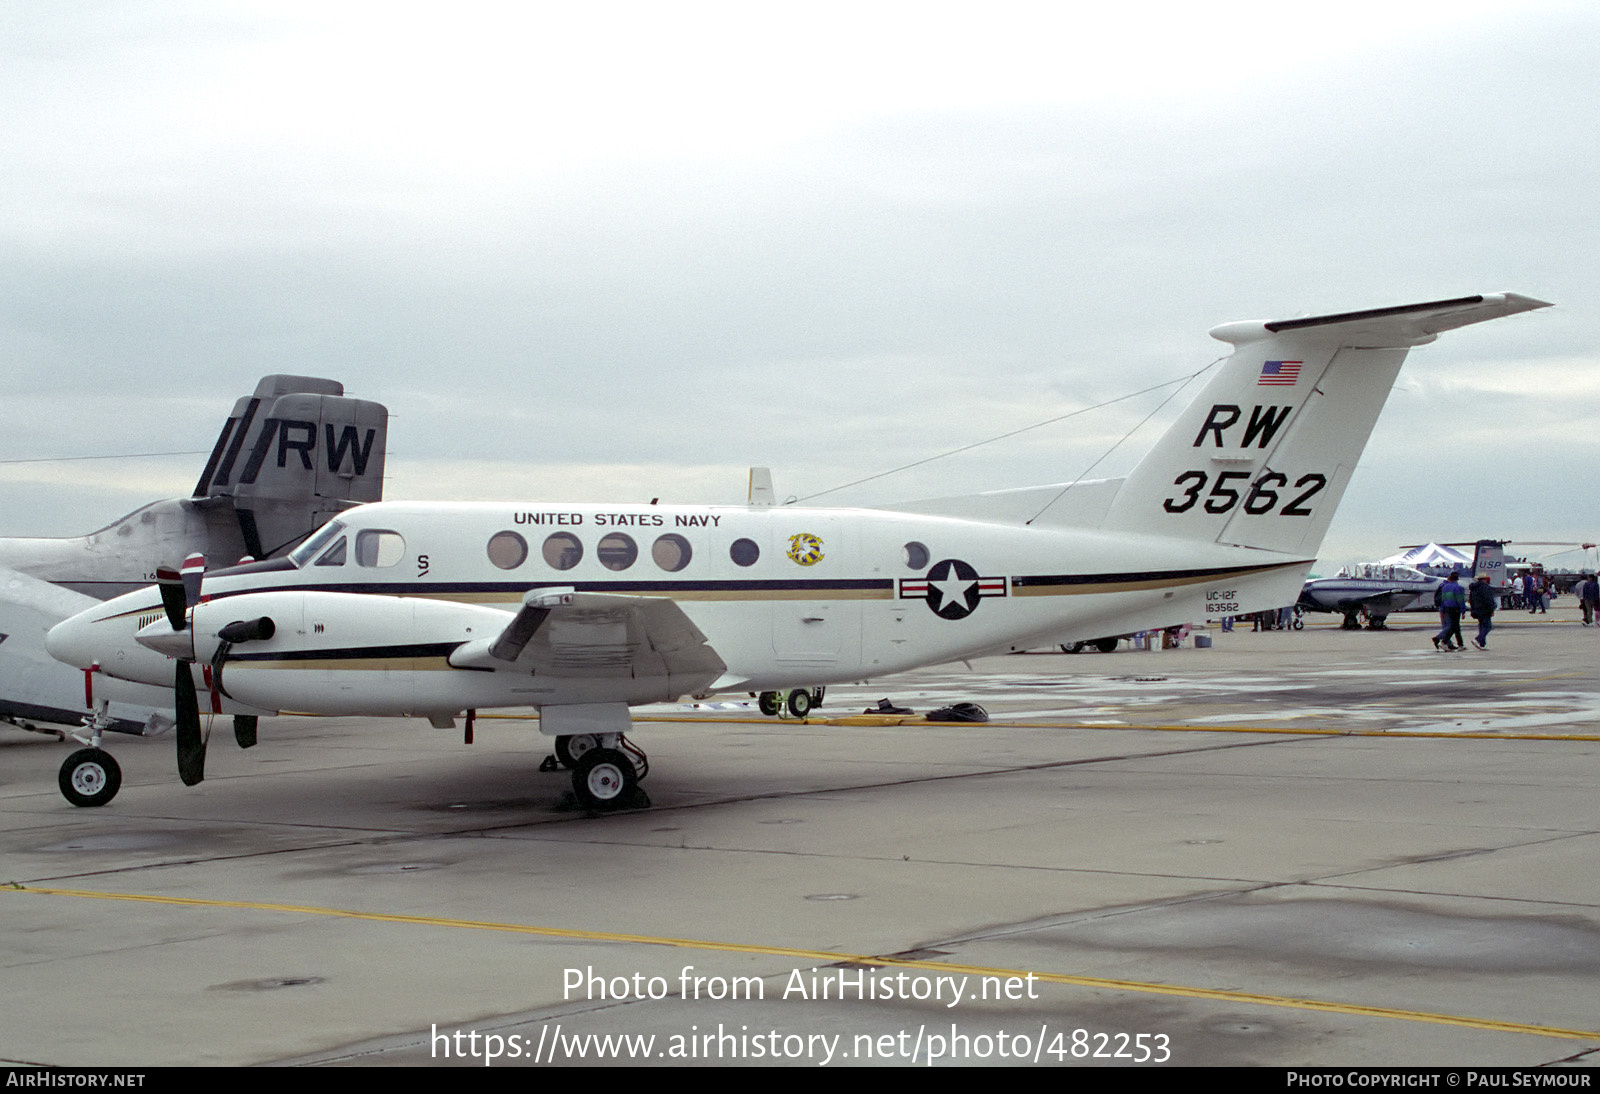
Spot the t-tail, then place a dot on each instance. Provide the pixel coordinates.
(292, 455)
(1264, 453)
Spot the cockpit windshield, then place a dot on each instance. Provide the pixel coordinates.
(309, 550)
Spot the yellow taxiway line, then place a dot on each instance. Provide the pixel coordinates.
(831, 957)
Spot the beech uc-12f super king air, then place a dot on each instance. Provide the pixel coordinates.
(582, 611)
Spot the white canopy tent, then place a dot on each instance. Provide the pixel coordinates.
(1431, 558)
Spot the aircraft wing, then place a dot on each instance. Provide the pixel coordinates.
(562, 633)
(1381, 603)
(35, 687)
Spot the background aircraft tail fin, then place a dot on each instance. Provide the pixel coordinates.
(293, 454)
(1489, 557)
(1263, 455)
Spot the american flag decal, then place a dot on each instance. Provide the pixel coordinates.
(1279, 373)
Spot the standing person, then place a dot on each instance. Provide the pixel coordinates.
(1452, 602)
(1589, 599)
(1529, 593)
(1481, 599)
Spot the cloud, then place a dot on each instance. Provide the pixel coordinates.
(596, 248)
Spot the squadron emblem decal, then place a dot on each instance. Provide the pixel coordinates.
(805, 549)
(952, 588)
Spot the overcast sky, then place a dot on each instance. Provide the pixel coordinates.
(618, 251)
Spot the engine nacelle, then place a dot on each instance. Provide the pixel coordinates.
(337, 653)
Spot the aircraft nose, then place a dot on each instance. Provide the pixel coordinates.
(68, 642)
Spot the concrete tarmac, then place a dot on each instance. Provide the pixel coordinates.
(1293, 848)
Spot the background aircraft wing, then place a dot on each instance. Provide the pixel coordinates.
(1382, 603)
(35, 687)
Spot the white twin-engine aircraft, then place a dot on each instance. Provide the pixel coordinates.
(581, 611)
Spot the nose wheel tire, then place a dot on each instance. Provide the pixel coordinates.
(90, 777)
(604, 779)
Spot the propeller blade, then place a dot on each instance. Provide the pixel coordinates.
(191, 745)
(244, 730)
(194, 572)
(170, 582)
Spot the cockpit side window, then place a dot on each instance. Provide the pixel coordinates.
(333, 556)
(379, 547)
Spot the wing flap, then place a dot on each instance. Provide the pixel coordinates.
(600, 636)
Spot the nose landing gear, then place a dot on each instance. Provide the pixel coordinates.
(90, 777)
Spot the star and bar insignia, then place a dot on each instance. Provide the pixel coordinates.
(952, 588)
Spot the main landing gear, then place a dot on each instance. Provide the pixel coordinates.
(606, 770)
(797, 703)
(1104, 645)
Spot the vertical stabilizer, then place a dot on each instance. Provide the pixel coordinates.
(1489, 557)
(1263, 455)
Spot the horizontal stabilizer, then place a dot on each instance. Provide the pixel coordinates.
(1062, 504)
(1406, 325)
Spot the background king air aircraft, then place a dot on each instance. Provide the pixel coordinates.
(1380, 589)
(290, 456)
(583, 610)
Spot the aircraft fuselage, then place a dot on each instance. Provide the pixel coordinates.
(368, 612)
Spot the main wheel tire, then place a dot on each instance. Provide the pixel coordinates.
(569, 750)
(90, 777)
(604, 779)
(1106, 645)
(799, 702)
(767, 703)
(1072, 647)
